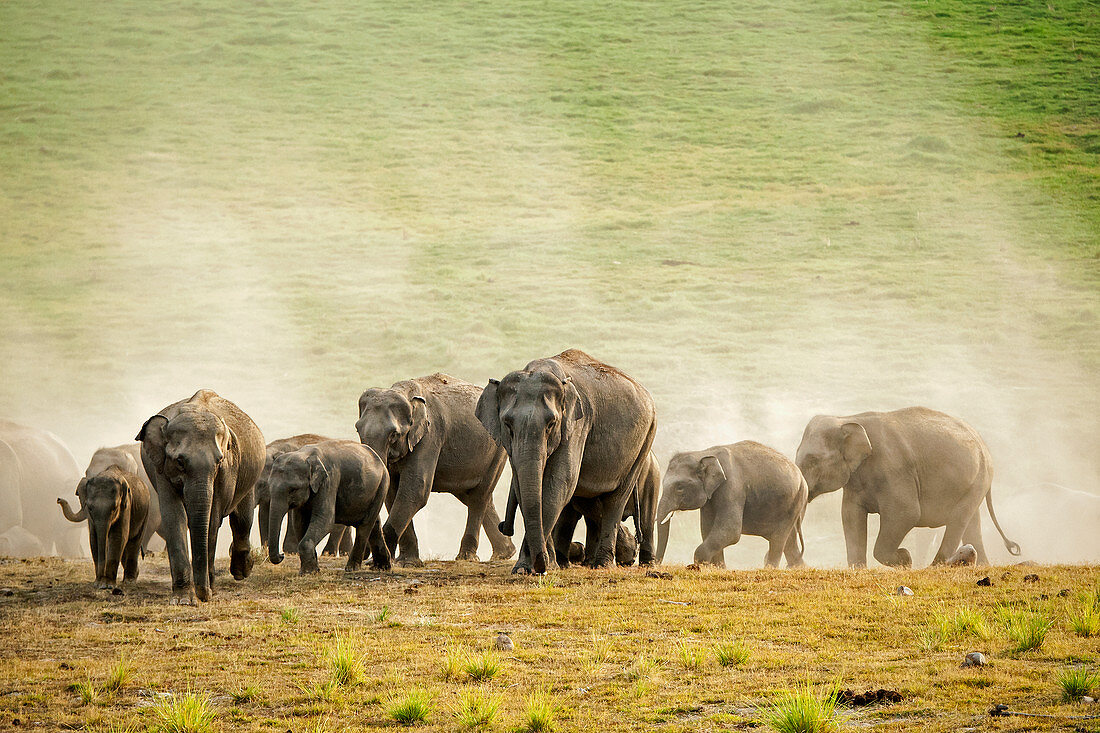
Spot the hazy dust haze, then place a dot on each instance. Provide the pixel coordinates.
(757, 234)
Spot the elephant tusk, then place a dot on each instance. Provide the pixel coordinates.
(668, 518)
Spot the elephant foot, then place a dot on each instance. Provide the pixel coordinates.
(353, 567)
(386, 565)
(467, 557)
(307, 569)
(182, 598)
(204, 594)
(410, 562)
(240, 565)
(504, 553)
(102, 585)
(521, 568)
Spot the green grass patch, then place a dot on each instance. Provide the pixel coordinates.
(1077, 682)
(538, 714)
(483, 667)
(477, 710)
(804, 710)
(345, 661)
(732, 653)
(186, 712)
(1027, 630)
(411, 709)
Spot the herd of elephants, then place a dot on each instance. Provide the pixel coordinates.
(578, 435)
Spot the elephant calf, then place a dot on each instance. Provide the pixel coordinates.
(117, 503)
(744, 488)
(340, 481)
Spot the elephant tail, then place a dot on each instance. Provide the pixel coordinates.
(1012, 547)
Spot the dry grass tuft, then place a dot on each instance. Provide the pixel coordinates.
(186, 712)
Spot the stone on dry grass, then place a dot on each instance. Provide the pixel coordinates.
(903, 590)
(974, 659)
(985, 581)
(965, 555)
(503, 642)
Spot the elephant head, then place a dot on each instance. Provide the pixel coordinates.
(107, 498)
(391, 423)
(830, 451)
(531, 414)
(689, 483)
(188, 451)
(294, 479)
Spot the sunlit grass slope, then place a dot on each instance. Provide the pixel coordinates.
(823, 201)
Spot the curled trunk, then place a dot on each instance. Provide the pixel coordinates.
(70, 515)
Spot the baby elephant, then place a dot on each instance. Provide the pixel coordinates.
(744, 488)
(118, 507)
(341, 481)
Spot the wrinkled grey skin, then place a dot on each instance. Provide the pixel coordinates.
(204, 456)
(743, 488)
(426, 430)
(339, 481)
(117, 507)
(572, 427)
(642, 503)
(127, 458)
(35, 466)
(340, 540)
(913, 467)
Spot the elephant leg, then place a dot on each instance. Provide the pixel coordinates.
(359, 550)
(952, 538)
(972, 535)
(98, 556)
(706, 522)
(721, 536)
(611, 508)
(115, 542)
(503, 548)
(240, 558)
(775, 550)
(130, 558)
(411, 498)
(888, 549)
(563, 534)
(476, 502)
(335, 537)
(854, 519)
(347, 541)
(791, 550)
(378, 545)
(173, 525)
(212, 548)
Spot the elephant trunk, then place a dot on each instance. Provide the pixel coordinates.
(275, 526)
(507, 525)
(198, 495)
(70, 515)
(529, 466)
(662, 540)
(665, 509)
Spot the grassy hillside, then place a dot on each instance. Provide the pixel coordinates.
(610, 650)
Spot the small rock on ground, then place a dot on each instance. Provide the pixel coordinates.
(985, 581)
(903, 590)
(974, 659)
(965, 555)
(1031, 578)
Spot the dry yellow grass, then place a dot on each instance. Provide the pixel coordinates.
(805, 626)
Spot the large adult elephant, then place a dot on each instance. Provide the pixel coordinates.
(126, 458)
(572, 426)
(204, 456)
(426, 431)
(913, 467)
(743, 488)
(35, 467)
(340, 537)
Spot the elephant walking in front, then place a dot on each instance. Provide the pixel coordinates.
(126, 458)
(204, 456)
(744, 488)
(913, 467)
(117, 505)
(426, 431)
(572, 427)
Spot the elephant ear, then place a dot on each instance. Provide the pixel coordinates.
(856, 445)
(154, 437)
(488, 410)
(575, 414)
(713, 475)
(318, 474)
(420, 423)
